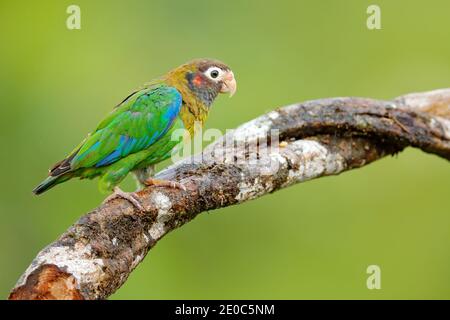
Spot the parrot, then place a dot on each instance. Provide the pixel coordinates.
(136, 134)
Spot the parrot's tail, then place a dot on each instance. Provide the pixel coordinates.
(46, 184)
(60, 172)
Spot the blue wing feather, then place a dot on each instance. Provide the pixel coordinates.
(133, 126)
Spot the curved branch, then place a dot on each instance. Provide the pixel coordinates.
(94, 257)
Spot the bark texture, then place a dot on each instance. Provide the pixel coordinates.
(94, 257)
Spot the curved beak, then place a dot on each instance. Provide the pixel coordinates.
(229, 84)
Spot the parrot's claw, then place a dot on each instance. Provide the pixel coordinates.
(130, 197)
(164, 183)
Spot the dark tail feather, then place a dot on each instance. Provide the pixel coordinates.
(46, 184)
(60, 172)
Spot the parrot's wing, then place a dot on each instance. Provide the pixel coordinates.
(134, 125)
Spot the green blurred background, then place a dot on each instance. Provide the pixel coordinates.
(313, 240)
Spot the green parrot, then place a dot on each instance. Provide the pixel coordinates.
(136, 135)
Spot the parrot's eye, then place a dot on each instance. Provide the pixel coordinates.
(214, 73)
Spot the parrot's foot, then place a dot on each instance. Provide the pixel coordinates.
(130, 197)
(164, 183)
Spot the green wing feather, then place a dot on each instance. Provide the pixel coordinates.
(133, 126)
(137, 123)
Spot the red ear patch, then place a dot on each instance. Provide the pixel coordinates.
(198, 80)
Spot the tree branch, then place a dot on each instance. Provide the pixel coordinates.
(94, 257)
